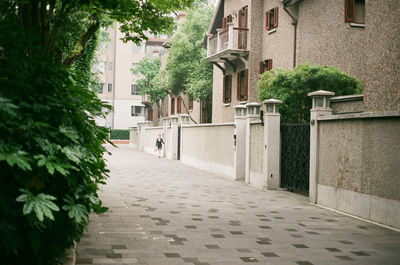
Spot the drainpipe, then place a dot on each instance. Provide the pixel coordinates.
(294, 23)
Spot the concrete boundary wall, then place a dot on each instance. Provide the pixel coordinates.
(133, 137)
(359, 165)
(257, 178)
(209, 147)
(150, 136)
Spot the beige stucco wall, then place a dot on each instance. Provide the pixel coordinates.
(371, 53)
(361, 155)
(133, 137)
(151, 134)
(208, 147)
(256, 147)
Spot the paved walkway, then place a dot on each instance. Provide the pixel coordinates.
(162, 212)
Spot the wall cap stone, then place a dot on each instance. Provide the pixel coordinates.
(208, 125)
(272, 101)
(321, 93)
(347, 98)
(363, 115)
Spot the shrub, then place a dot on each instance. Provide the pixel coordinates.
(119, 134)
(292, 87)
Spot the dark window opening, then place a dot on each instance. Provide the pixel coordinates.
(227, 83)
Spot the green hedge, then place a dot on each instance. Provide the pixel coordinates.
(119, 134)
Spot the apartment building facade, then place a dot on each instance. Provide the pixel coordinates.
(118, 87)
(248, 37)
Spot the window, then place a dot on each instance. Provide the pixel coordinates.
(355, 11)
(102, 65)
(109, 66)
(109, 88)
(271, 19)
(242, 17)
(265, 65)
(136, 111)
(135, 90)
(227, 83)
(242, 23)
(172, 106)
(191, 104)
(150, 114)
(179, 105)
(242, 85)
(100, 88)
(225, 21)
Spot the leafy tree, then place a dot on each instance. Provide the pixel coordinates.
(292, 87)
(188, 71)
(152, 82)
(51, 151)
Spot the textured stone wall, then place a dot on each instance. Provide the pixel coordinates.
(361, 155)
(256, 147)
(371, 53)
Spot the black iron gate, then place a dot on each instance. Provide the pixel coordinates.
(295, 157)
(179, 143)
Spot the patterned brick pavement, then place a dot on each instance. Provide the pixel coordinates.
(162, 212)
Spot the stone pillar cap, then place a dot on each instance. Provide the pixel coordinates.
(174, 117)
(219, 30)
(321, 93)
(230, 23)
(253, 104)
(239, 107)
(272, 101)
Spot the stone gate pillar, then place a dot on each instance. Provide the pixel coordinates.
(272, 144)
(320, 107)
(174, 138)
(239, 156)
(164, 136)
(253, 114)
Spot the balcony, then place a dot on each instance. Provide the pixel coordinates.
(227, 45)
(146, 100)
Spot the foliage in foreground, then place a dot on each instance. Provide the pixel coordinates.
(51, 150)
(292, 87)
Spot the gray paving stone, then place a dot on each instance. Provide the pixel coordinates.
(161, 212)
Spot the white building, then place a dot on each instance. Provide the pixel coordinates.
(117, 83)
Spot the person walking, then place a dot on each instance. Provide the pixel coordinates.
(159, 143)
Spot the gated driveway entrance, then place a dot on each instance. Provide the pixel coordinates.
(295, 157)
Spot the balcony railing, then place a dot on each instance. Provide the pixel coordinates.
(227, 39)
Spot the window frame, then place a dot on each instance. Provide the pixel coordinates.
(134, 91)
(179, 105)
(265, 66)
(134, 113)
(245, 83)
(227, 89)
(271, 21)
(109, 87)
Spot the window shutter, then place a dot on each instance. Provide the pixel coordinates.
(261, 67)
(238, 86)
(349, 10)
(223, 90)
(275, 17)
(240, 18)
(267, 20)
(246, 76)
(245, 16)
